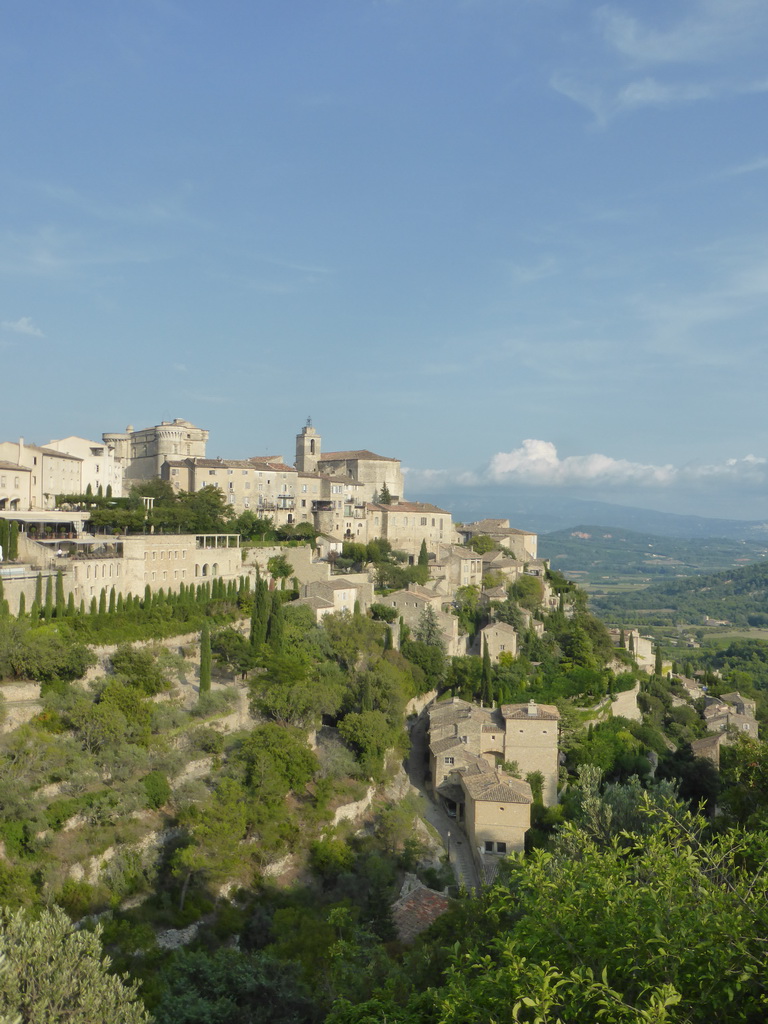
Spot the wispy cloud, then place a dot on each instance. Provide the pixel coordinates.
(711, 30)
(751, 167)
(23, 325)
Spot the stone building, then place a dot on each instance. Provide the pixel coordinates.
(410, 605)
(501, 639)
(143, 452)
(405, 524)
(372, 471)
(731, 711)
(37, 475)
(522, 544)
(523, 733)
(99, 468)
(266, 486)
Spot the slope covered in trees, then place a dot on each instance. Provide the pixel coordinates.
(739, 596)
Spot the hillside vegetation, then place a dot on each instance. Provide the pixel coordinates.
(738, 596)
(599, 554)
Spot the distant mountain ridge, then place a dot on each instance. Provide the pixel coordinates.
(541, 512)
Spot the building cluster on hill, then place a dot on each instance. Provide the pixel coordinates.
(343, 495)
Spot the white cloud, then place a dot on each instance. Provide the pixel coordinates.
(759, 164)
(537, 462)
(23, 325)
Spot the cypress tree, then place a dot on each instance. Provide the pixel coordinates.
(276, 625)
(82, 606)
(4, 539)
(13, 540)
(3, 604)
(109, 490)
(112, 601)
(147, 598)
(61, 603)
(631, 642)
(487, 677)
(658, 668)
(39, 590)
(70, 604)
(22, 605)
(120, 606)
(103, 602)
(622, 638)
(388, 638)
(423, 554)
(48, 598)
(205, 660)
(260, 614)
(93, 609)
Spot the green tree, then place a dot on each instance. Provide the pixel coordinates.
(276, 625)
(423, 554)
(280, 569)
(385, 498)
(58, 973)
(428, 629)
(487, 677)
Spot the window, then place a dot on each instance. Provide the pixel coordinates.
(448, 760)
(423, 520)
(211, 472)
(501, 847)
(489, 846)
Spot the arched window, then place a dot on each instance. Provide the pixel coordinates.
(312, 447)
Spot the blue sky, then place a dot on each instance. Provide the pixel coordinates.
(512, 241)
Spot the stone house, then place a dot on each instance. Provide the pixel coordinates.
(338, 594)
(523, 733)
(731, 710)
(372, 471)
(407, 523)
(501, 639)
(49, 473)
(522, 544)
(456, 566)
(99, 468)
(410, 605)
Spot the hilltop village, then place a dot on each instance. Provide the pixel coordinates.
(267, 722)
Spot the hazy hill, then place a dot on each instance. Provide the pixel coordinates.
(543, 512)
(599, 551)
(739, 596)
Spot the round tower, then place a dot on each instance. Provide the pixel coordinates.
(307, 449)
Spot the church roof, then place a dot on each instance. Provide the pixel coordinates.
(363, 454)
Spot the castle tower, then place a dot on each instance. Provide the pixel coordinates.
(307, 449)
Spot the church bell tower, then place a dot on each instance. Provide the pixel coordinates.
(307, 449)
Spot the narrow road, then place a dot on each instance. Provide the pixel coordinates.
(454, 840)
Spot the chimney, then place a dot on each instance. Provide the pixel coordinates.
(532, 709)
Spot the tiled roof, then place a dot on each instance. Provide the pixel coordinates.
(414, 912)
(486, 783)
(412, 506)
(363, 454)
(500, 627)
(440, 746)
(543, 711)
(15, 466)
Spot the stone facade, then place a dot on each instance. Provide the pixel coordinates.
(501, 639)
(100, 467)
(406, 524)
(522, 733)
(50, 473)
(522, 544)
(143, 452)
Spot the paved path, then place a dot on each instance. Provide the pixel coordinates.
(454, 840)
(625, 705)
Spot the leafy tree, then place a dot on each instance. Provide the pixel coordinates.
(280, 569)
(57, 973)
(231, 987)
(482, 544)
